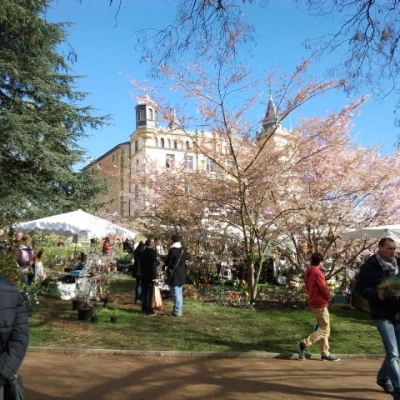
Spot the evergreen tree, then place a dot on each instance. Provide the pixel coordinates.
(41, 118)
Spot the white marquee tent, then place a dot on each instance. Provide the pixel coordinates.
(377, 232)
(76, 223)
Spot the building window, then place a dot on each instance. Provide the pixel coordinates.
(162, 143)
(136, 145)
(189, 162)
(210, 167)
(229, 150)
(175, 144)
(170, 161)
(187, 145)
(142, 114)
(136, 192)
(113, 158)
(151, 114)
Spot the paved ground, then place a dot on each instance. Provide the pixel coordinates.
(50, 376)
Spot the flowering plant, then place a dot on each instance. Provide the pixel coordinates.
(391, 287)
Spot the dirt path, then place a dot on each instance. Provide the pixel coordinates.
(51, 376)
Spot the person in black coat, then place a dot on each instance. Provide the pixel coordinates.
(384, 309)
(148, 265)
(14, 330)
(137, 272)
(176, 264)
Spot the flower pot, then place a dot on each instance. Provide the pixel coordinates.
(114, 319)
(105, 301)
(79, 305)
(94, 319)
(74, 304)
(84, 314)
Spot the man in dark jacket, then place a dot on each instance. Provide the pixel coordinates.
(137, 271)
(148, 265)
(176, 263)
(318, 301)
(14, 330)
(385, 311)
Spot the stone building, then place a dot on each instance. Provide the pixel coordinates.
(165, 147)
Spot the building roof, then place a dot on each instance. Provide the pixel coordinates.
(271, 116)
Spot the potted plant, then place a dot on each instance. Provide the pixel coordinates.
(84, 303)
(391, 287)
(85, 312)
(94, 319)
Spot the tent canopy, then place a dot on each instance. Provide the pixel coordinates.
(76, 223)
(377, 232)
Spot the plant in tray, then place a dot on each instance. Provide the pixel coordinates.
(391, 288)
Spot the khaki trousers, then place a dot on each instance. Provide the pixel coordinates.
(322, 334)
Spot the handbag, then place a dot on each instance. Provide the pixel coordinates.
(156, 301)
(14, 389)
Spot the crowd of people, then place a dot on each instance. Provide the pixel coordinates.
(154, 266)
(28, 261)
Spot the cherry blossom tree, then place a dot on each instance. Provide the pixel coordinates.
(306, 188)
(335, 186)
(245, 172)
(303, 189)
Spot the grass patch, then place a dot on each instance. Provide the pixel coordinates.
(203, 327)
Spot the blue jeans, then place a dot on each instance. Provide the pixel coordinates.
(178, 300)
(390, 335)
(138, 289)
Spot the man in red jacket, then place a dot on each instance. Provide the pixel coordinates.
(318, 300)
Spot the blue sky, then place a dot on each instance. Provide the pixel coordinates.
(104, 44)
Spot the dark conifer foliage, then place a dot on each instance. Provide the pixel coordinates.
(41, 117)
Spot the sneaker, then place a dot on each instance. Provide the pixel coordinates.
(329, 358)
(386, 386)
(176, 315)
(302, 350)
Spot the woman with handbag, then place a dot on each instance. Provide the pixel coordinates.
(176, 264)
(14, 338)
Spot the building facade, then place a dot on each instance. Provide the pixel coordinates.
(165, 147)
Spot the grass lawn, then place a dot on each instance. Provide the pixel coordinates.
(203, 327)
